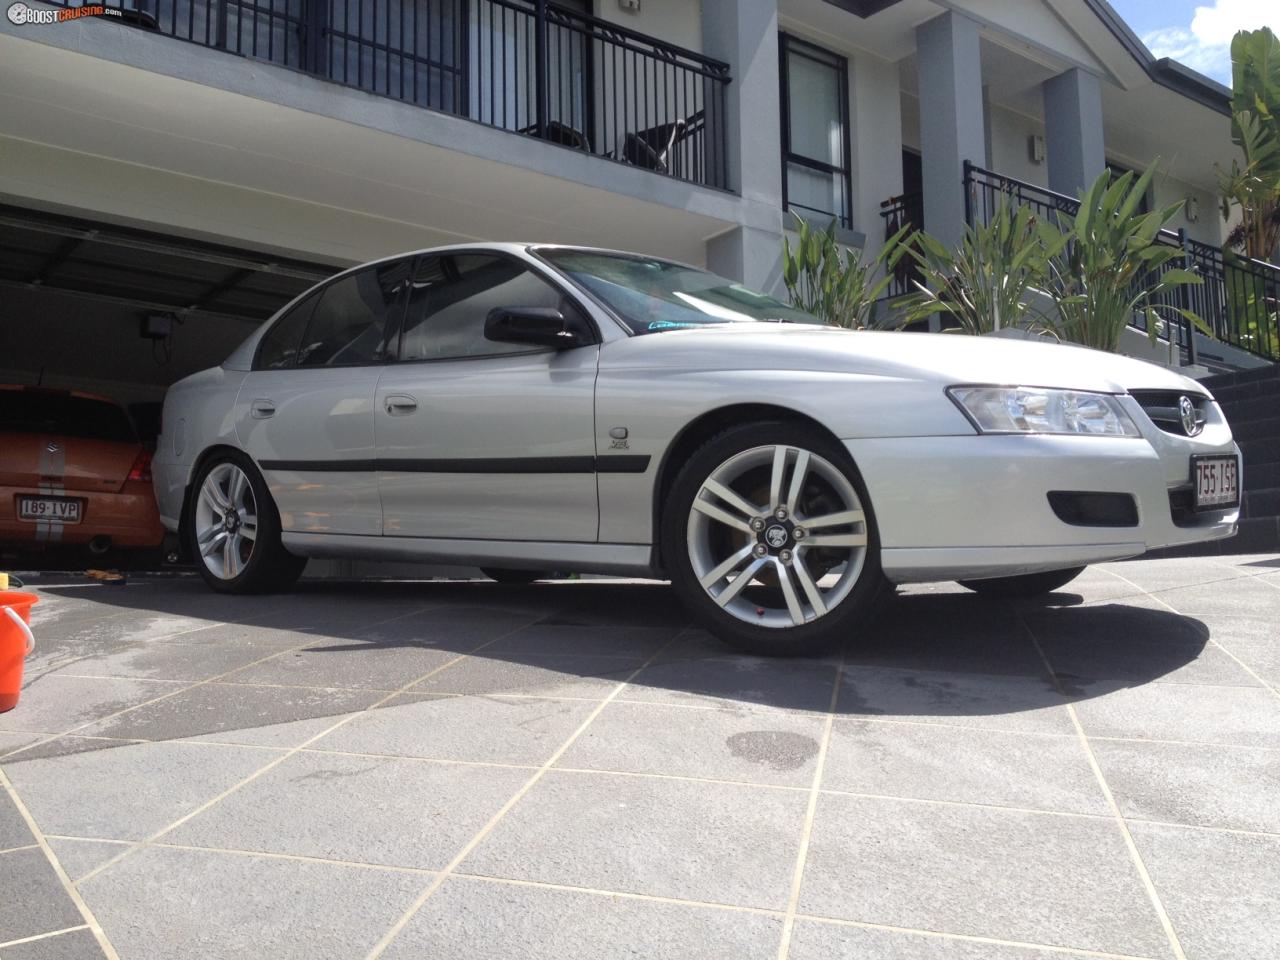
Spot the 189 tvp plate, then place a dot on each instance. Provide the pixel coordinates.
(1216, 481)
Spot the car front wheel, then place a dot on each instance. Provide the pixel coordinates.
(769, 539)
(235, 529)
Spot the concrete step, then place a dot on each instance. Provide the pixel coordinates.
(1259, 451)
(1252, 408)
(1261, 428)
(1261, 476)
(1226, 380)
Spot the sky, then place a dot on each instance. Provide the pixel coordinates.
(1197, 32)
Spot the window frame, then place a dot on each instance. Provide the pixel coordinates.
(395, 318)
(789, 44)
(306, 300)
(553, 281)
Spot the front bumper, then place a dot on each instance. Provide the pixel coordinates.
(950, 508)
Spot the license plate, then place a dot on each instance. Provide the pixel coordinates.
(1216, 481)
(51, 509)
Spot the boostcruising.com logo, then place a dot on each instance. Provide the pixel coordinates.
(20, 13)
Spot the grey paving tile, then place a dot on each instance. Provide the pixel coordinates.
(745, 681)
(1031, 704)
(232, 712)
(479, 920)
(1242, 594)
(720, 843)
(462, 728)
(1172, 573)
(80, 857)
(14, 831)
(354, 664)
(1138, 641)
(725, 744)
(1212, 786)
(1222, 890)
(815, 940)
(34, 899)
(580, 675)
(57, 704)
(623, 603)
(175, 661)
(161, 902)
(129, 792)
(1253, 639)
(60, 746)
(1182, 711)
(554, 636)
(76, 945)
(15, 741)
(958, 633)
(457, 627)
(407, 813)
(1030, 877)
(972, 766)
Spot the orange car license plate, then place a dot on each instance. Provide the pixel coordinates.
(51, 509)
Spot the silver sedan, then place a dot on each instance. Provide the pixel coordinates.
(536, 408)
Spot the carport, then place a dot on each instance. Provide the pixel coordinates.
(124, 312)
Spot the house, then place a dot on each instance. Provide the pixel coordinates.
(172, 171)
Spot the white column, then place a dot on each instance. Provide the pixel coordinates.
(952, 128)
(745, 35)
(1073, 130)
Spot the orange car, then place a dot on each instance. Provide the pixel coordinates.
(72, 471)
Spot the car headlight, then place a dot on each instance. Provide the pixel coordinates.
(1040, 410)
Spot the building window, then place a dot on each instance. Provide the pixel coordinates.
(815, 132)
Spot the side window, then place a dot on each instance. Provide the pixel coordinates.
(279, 347)
(355, 316)
(451, 299)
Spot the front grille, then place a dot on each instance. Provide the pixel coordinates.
(1162, 406)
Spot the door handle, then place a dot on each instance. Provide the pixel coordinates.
(262, 409)
(400, 405)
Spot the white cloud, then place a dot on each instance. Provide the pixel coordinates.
(1205, 44)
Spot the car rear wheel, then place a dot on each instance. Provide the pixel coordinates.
(1026, 585)
(769, 539)
(235, 529)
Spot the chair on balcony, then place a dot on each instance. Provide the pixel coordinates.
(653, 148)
(561, 133)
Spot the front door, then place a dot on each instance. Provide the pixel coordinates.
(305, 413)
(481, 440)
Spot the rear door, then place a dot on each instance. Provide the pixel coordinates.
(305, 412)
(481, 440)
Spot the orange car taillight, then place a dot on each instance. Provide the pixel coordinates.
(141, 469)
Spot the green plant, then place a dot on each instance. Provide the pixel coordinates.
(839, 290)
(992, 281)
(1254, 186)
(1114, 265)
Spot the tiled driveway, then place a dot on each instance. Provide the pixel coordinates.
(463, 770)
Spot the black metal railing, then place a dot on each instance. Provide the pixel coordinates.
(906, 210)
(528, 66)
(1238, 298)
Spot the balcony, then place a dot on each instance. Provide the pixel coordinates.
(1239, 298)
(531, 67)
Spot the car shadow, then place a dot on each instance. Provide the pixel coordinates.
(933, 656)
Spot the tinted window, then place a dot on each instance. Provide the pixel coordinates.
(354, 317)
(279, 348)
(651, 295)
(33, 411)
(451, 300)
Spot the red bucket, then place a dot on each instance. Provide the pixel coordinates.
(16, 642)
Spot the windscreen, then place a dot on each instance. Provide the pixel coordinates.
(652, 295)
(32, 411)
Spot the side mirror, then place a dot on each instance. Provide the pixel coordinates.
(537, 326)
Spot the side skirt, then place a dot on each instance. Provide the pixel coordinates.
(622, 559)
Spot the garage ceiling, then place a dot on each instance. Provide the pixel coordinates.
(147, 270)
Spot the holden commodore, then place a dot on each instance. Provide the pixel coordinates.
(529, 408)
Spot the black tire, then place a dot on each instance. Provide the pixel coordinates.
(1026, 585)
(513, 577)
(269, 567)
(818, 636)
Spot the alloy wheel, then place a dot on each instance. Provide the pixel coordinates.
(788, 560)
(226, 521)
